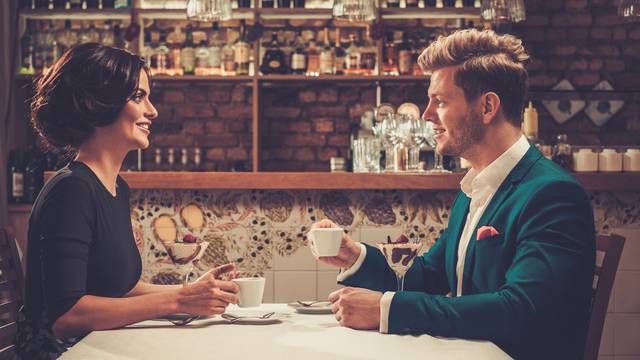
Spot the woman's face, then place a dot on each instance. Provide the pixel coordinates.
(133, 125)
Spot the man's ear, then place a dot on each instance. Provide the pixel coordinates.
(490, 103)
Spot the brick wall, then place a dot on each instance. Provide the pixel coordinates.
(304, 124)
(215, 118)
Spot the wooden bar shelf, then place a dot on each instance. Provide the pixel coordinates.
(339, 181)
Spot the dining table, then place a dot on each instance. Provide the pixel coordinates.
(286, 334)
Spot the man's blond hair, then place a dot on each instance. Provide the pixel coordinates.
(486, 61)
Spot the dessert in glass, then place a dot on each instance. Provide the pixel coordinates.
(400, 255)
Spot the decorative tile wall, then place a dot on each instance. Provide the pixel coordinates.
(264, 233)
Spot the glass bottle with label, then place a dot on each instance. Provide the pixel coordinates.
(353, 56)
(16, 177)
(298, 58)
(228, 57)
(93, 34)
(412, 3)
(162, 55)
(390, 56)
(175, 40)
(202, 58)
(340, 54)
(242, 51)
(27, 46)
(273, 61)
(147, 50)
(562, 153)
(368, 54)
(327, 56)
(188, 54)
(313, 59)
(393, 3)
(405, 58)
(215, 50)
(107, 35)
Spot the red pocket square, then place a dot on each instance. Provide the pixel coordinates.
(486, 231)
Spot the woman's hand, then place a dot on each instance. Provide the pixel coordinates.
(209, 295)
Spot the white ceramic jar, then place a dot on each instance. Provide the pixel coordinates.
(631, 160)
(585, 160)
(609, 160)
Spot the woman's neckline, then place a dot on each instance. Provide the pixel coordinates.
(93, 174)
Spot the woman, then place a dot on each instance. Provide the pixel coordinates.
(83, 267)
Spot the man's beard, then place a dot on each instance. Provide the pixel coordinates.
(468, 133)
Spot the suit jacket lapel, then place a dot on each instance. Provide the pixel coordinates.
(506, 188)
(456, 224)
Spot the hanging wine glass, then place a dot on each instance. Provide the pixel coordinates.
(209, 10)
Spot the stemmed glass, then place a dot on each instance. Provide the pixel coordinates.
(184, 256)
(386, 132)
(429, 137)
(400, 256)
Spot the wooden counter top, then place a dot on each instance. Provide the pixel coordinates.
(337, 181)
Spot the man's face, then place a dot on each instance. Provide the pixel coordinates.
(457, 124)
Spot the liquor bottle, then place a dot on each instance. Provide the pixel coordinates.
(184, 159)
(299, 4)
(54, 49)
(340, 55)
(121, 4)
(562, 153)
(244, 3)
(16, 177)
(161, 55)
(368, 53)
(273, 61)
(284, 4)
(76, 4)
(313, 59)
(393, 3)
(157, 160)
(27, 47)
(202, 58)
(197, 159)
(353, 56)
(108, 4)
(215, 50)
(449, 3)
(228, 57)
(108, 35)
(92, 34)
(188, 54)
(267, 3)
(93, 4)
(390, 56)
(175, 40)
(405, 63)
(298, 58)
(147, 50)
(60, 4)
(412, 3)
(287, 49)
(171, 159)
(327, 56)
(40, 51)
(429, 3)
(469, 3)
(530, 125)
(242, 51)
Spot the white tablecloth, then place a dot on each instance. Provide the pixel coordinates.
(298, 336)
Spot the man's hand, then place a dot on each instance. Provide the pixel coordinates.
(349, 249)
(356, 308)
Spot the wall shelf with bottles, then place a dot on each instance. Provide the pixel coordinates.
(78, 14)
(430, 13)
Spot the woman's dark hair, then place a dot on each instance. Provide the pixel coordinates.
(86, 88)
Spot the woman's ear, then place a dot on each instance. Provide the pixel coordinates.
(490, 106)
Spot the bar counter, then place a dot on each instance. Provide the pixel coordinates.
(339, 181)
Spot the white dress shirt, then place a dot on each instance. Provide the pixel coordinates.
(479, 186)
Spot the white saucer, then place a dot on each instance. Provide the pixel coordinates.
(323, 307)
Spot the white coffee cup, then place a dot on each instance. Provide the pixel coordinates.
(251, 291)
(326, 241)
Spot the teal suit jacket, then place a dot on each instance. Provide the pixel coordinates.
(527, 289)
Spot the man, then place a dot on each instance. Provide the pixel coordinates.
(526, 286)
